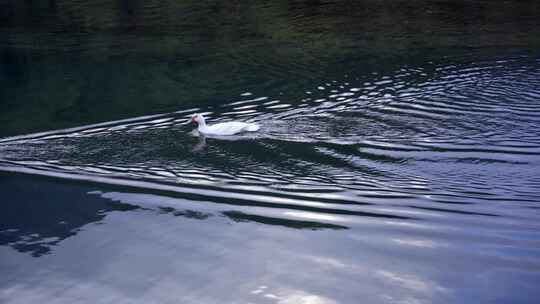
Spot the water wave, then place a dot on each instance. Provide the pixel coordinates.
(420, 143)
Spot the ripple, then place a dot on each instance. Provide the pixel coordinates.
(398, 145)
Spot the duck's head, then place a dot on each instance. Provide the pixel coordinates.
(197, 118)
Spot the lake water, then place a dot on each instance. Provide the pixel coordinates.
(398, 158)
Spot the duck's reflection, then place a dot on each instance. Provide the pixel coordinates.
(201, 144)
(202, 139)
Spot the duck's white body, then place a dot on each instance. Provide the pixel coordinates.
(224, 128)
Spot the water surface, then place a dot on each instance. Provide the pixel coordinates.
(397, 160)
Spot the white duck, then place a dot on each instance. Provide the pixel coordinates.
(224, 128)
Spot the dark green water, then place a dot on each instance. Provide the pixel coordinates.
(397, 160)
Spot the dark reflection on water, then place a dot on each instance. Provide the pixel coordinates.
(129, 246)
(34, 221)
(397, 160)
(243, 217)
(116, 59)
(38, 215)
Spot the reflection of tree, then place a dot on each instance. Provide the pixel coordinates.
(305, 20)
(37, 214)
(185, 213)
(297, 224)
(120, 58)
